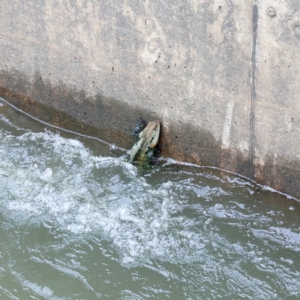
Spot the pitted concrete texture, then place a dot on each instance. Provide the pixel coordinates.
(220, 75)
(277, 106)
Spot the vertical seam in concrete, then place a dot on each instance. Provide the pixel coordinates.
(253, 92)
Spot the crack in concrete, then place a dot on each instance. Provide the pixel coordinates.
(253, 93)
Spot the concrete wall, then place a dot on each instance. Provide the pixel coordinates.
(222, 76)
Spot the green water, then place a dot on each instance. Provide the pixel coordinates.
(77, 222)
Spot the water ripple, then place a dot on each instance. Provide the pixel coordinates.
(98, 222)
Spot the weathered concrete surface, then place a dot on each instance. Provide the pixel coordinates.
(276, 140)
(198, 66)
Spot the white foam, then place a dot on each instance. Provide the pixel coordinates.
(47, 173)
(59, 181)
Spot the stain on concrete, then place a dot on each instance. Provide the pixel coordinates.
(281, 174)
(114, 121)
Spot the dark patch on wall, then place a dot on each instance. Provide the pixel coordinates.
(113, 121)
(61, 119)
(98, 116)
(280, 174)
(185, 142)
